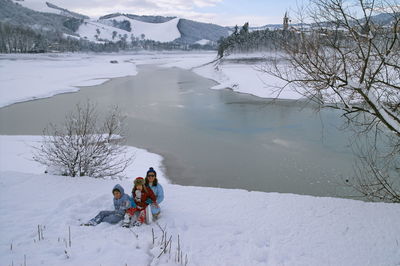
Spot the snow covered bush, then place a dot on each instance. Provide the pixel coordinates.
(82, 147)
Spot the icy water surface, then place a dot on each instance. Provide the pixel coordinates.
(215, 138)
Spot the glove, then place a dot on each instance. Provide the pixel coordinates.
(138, 195)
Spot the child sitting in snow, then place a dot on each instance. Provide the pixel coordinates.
(121, 204)
(139, 194)
(152, 182)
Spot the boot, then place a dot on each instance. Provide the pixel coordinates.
(90, 223)
(127, 220)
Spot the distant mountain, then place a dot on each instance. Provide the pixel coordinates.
(15, 14)
(118, 27)
(193, 31)
(112, 27)
(166, 31)
(66, 12)
(384, 19)
(148, 19)
(155, 27)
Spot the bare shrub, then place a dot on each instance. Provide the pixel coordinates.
(82, 146)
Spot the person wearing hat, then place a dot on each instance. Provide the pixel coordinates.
(152, 183)
(140, 194)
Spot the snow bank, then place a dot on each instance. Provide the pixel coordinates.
(215, 226)
(204, 42)
(27, 77)
(246, 78)
(241, 73)
(16, 155)
(241, 77)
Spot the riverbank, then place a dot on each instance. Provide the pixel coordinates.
(27, 77)
(216, 226)
(261, 229)
(213, 138)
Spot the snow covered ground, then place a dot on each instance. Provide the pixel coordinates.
(161, 32)
(27, 77)
(247, 78)
(215, 226)
(92, 28)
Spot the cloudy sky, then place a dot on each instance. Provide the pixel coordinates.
(222, 12)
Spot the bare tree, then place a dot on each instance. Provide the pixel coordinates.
(349, 61)
(80, 147)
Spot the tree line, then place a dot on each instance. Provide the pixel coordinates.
(20, 39)
(243, 41)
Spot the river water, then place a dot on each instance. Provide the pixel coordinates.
(215, 138)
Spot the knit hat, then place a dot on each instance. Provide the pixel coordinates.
(139, 181)
(151, 170)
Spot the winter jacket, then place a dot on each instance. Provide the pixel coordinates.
(145, 196)
(158, 192)
(122, 204)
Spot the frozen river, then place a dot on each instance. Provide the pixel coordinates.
(215, 138)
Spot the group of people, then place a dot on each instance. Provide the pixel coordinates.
(133, 210)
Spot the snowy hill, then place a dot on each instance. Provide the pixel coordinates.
(94, 31)
(215, 226)
(65, 12)
(162, 32)
(113, 27)
(165, 29)
(193, 31)
(19, 15)
(37, 6)
(148, 19)
(48, 7)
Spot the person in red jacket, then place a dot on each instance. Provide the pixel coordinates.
(139, 194)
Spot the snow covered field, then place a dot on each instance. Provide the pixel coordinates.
(215, 226)
(162, 32)
(27, 77)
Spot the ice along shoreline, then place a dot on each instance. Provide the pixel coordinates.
(30, 77)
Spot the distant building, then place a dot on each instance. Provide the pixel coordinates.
(286, 22)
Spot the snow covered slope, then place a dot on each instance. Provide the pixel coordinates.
(215, 226)
(95, 31)
(44, 6)
(39, 6)
(103, 29)
(117, 26)
(162, 32)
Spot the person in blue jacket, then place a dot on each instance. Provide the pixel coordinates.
(152, 182)
(121, 204)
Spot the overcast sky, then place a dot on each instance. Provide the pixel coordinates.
(222, 12)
